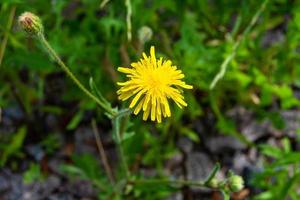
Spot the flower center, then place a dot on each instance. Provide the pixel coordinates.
(154, 80)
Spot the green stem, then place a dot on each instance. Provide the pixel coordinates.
(103, 3)
(117, 134)
(169, 182)
(52, 53)
(6, 34)
(212, 174)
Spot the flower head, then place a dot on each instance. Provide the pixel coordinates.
(153, 82)
(31, 23)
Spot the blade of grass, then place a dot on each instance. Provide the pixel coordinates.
(102, 153)
(229, 58)
(128, 19)
(6, 34)
(103, 3)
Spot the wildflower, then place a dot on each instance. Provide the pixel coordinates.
(31, 23)
(152, 82)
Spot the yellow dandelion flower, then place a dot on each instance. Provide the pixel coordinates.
(152, 82)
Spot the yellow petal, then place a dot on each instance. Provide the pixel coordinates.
(146, 101)
(147, 112)
(136, 98)
(139, 106)
(153, 109)
(125, 70)
(152, 56)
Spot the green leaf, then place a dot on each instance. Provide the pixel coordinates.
(288, 185)
(243, 78)
(128, 135)
(51, 143)
(11, 1)
(32, 174)
(287, 158)
(267, 195)
(286, 145)
(89, 165)
(14, 146)
(73, 171)
(271, 151)
(225, 194)
(97, 92)
(75, 120)
(213, 173)
(190, 134)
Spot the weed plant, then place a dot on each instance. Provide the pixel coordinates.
(231, 53)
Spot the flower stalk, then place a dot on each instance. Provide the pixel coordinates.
(168, 182)
(52, 53)
(117, 131)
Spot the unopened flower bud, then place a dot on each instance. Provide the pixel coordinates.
(235, 183)
(31, 23)
(214, 183)
(145, 34)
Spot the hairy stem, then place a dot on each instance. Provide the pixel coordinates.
(117, 134)
(168, 182)
(52, 53)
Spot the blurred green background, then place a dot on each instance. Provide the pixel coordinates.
(40, 105)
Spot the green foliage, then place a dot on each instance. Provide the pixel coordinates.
(198, 36)
(13, 147)
(280, 178)
(33, 174)
(86, 167)
(51, 143)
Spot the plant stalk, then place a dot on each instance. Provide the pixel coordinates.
(117, 134)
(102, 153)
(6, 34)
(52, 53)
(169, 182)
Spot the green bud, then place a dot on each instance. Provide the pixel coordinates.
(235, 183)
(31, 23)
(145, 34)
(128, 189)
(214, 183)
